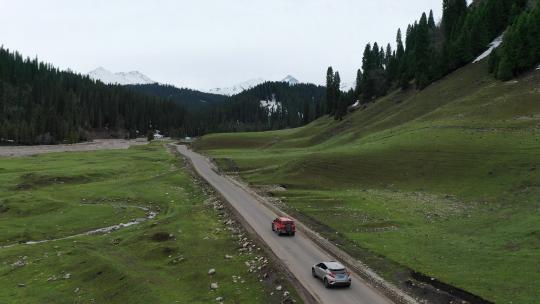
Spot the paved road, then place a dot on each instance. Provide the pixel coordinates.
(298, 253)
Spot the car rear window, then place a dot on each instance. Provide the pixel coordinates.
(338, 271)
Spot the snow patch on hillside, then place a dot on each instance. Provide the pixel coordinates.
(271, 105)
(121, 78)
(493, 45)
(538, 68)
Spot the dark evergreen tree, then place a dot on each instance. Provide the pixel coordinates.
(330, 94)
(453, 15)
(358, 83)
(306, 113)
(431, 20)
(520, 50)
(400, 50)
(422, 53)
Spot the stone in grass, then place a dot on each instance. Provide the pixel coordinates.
(278, 288)
(212, 271)
(228, 256)
(214, 286)
(219, 299)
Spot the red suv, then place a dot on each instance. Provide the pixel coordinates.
(284, 225)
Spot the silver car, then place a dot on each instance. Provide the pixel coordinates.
(332, 274)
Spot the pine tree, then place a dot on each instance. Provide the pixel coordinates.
(422, 53)
(453, 15)
(367, 67)
(431, 20)
(330, 94)
(306, 114)
(520, 50)
(400, 50)
(358, 83)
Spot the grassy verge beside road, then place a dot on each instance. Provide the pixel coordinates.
(162, 260)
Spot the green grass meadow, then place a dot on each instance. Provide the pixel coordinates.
(163, 260)
(445, 181)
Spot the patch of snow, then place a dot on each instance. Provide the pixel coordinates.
(538, 68)
(121, 78)
(356, 104)
(271, 105)
(347, 86)
(246, 85)
(493, 45)
(237, 88)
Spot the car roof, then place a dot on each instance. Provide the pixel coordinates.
(285, 219)
(334, 265)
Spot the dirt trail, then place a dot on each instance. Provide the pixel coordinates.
(149, 215)
(98, 144)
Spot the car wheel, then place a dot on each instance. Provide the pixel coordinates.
(326, 284)
(349, 285)
(313, 272)
(273, 228)
(292, 233)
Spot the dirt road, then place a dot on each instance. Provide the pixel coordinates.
(98, 144)
(297, 253)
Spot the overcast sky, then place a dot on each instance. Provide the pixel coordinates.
(206, 43)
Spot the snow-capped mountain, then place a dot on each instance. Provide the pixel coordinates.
(346, 86)
(290, 80)
(238, 88)
(246, 85)
(122, 78)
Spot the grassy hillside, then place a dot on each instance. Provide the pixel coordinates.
(162, 260)
(445, 181)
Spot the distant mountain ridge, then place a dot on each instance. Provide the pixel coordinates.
(108, 77)
(237, 88)
(190, 99)
(249, 84)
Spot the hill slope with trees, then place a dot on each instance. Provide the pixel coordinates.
(268, 106)
(40, 104)
(427, 51)
(188, 98)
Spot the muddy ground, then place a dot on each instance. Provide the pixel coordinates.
(97, 144)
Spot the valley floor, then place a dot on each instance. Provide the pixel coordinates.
(161, 259)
